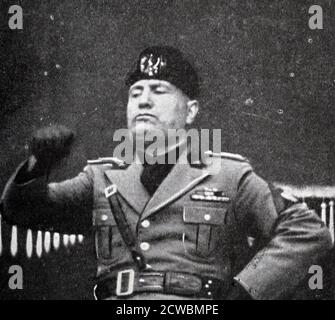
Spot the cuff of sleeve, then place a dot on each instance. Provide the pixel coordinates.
(238, 291)
(251, 292)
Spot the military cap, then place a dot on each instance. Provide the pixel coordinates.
(165, 63)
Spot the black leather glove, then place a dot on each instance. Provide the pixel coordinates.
(49, 145)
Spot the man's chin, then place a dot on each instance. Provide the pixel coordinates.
(146, 130)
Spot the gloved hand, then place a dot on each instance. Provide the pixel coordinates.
(48, 146)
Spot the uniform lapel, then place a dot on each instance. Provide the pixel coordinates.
(129, 185)
(181, 179)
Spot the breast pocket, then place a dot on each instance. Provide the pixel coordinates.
(108, 241)
(203, 228)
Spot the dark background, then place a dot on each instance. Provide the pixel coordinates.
(267, 81)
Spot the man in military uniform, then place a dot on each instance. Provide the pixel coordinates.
(170, 231)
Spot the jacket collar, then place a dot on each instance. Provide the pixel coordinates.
(182, 178)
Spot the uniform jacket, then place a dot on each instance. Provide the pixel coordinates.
(182, 232)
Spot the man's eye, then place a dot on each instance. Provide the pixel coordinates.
(160, 90)
(135, 93)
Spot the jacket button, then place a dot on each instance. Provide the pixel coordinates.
(145, 246)
(104, 217)
(207, 217)
(145, 223)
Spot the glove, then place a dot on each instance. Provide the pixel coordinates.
(48, 146)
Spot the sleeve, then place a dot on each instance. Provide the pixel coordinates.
(294, 240)
(63, 207)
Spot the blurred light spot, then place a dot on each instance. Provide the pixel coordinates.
(56, 241)
(29, 243)
(249, 102)
(57, 66)
(65, 240)
(47, 241)
(39, 249)
(280, 111)
(45, 73)
(52, 17)
(310, 40)
(72, 239)
(41, 118)
(13, 243)
(292, 74)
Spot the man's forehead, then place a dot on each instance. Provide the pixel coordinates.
(152, 82)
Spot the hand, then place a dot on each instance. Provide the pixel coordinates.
(49, 145)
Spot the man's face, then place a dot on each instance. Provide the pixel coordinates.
(157, 105)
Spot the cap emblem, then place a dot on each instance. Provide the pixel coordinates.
(151, 65)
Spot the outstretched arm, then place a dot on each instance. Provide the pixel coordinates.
(30, 201)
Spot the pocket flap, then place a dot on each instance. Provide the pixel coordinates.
(204, 215)
(103, 217)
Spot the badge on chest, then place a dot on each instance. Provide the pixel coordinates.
(209, 194)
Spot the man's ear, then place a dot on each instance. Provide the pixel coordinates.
(192, 111)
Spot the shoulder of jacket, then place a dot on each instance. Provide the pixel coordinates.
(108, 161)
(226, 155)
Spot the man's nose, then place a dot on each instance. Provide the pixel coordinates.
(145, 101)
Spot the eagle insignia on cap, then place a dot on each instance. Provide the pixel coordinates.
(151, 65)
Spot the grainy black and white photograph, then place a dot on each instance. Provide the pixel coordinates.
(167, 150)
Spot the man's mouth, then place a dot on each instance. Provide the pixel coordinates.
(145, 117)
